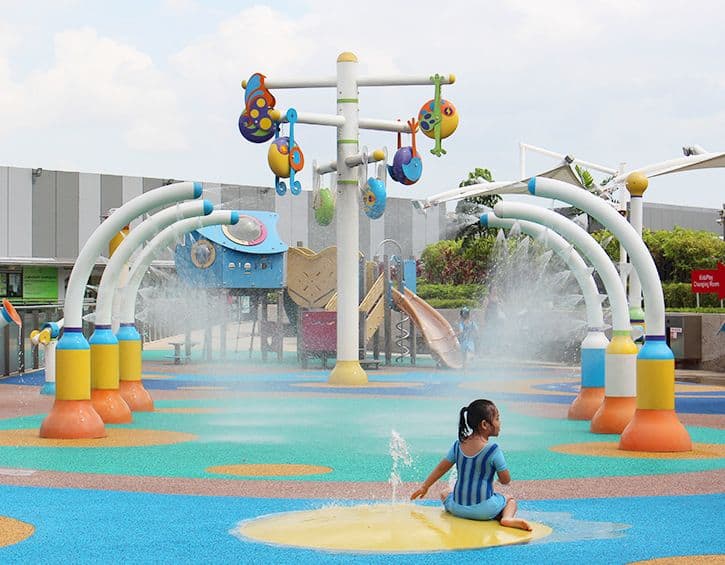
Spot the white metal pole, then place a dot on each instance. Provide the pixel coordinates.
(522, 161)
(347, 369)
(635, 286)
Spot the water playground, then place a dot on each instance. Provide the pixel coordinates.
(123, 451)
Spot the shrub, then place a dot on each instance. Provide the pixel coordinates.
(680, 295)
(451, 296)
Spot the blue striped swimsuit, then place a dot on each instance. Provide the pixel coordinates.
(473, 496)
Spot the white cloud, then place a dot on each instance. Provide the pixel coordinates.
(607, 81)
(95, 81)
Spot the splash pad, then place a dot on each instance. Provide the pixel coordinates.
(383, 528)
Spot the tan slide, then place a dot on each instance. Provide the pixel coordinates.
(436, 330)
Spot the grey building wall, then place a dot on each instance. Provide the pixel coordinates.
(111, 192)
(52, 214)
(16, 212)
(89, 206)
(399, 225)
(67, 214)
(44, 214)
(666, 217)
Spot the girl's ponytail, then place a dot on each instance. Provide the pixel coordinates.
(462, 426)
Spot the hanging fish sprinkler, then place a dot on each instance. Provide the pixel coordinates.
(407, 166)
(438, 118)
(373, 189)
(259, 122)
(285, 157)
(256, 123)
(323, 199)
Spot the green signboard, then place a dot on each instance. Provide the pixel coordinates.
(40, 283)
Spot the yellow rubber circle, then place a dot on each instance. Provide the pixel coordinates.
(383, 528)
(117, 437)
(611, 449)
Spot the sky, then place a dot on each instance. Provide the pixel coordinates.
(152, 87)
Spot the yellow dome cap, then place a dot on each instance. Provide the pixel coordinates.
(637, 183)
(347, 57)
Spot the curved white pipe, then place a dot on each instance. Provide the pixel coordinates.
(127, 294)
(585, 243)
(145, 231)
(73, 308)
(565, 250)
(640, 257)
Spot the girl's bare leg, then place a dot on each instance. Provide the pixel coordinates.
(444, 495)
(507, 517)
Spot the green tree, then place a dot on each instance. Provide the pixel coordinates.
(475, 205)
(675, 253)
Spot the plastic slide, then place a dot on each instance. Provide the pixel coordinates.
(436, 330)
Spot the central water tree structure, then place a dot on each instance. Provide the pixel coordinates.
(260, 120)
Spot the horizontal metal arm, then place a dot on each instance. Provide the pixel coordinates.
(352, 161)
(339, 121)
(331, 82)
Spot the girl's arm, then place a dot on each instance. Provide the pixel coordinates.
(504, 477)
(441, 469)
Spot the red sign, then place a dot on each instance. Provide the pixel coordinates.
(709, 280)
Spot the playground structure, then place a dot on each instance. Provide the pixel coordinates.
(311, 286)
(260, 121)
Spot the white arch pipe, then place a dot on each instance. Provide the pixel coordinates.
(618, 406)
(105, 394)
(594, 344)
(655, 425)
(129, 340)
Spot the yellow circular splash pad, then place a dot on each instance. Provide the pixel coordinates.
(383, 528)
(14, 531)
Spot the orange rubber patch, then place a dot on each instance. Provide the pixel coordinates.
(611, 449)
(370, 384)
(14, 531)
(269, 470)
(117, 437)
(685, 559)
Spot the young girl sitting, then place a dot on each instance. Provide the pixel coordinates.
(476, 461)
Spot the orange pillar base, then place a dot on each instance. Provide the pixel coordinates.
(111, 407)
(614, 414)
(586, 403)
(655, 430)
(136, 396)
(72, 419)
